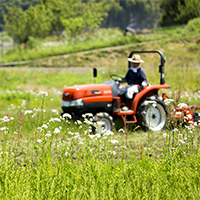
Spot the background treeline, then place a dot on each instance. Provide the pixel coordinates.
(39, 18)
(24, 4)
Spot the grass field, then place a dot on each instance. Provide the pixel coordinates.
(45, 157)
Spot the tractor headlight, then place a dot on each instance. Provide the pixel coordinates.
(77, 102)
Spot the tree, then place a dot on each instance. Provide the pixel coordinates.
(35, 22)
(53, 15)
(82, 16)
(24, 4)
(124, 12)
(189, 10)
(179, 12)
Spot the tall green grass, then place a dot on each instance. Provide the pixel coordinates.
(44, 156)
(97, 39)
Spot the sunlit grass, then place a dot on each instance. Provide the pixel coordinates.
(94, 40)
(44, 156)
(54, 158)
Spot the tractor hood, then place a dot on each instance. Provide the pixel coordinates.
(89, 93)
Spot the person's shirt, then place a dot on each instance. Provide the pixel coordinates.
(135, 76)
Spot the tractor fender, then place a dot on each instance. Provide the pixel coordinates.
(148, 91)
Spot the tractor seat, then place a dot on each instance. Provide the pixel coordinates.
(122, 91)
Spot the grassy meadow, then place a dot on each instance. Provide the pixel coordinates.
(44, 156)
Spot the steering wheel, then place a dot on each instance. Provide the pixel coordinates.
(116, 77)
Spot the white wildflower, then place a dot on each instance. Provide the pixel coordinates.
(181, 141)
(112, 152)
(76, 136)
(176, 130)
(149, 102)
(98, 135)
(164, 134)
(34, 115)
(79, 122)
(168, 101)
(108, 133)
(88, 122)
(90, 130)
(100, 123)
(37, 109)
(39, 140)
(66, 153)
(154, 105)
(92, 136)
(23, 102)
(67, 115)
(5, 119)
(55, 111)
(56, 131)
(121, 130)
(182, 105)
(42, 93)
(55, 120)
(89, 115)
(70, 133)
(44, 126)
(48, 134)
(3, 128)
(114, 141)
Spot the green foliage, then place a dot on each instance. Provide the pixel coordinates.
(53, 158)
(96, 39)
(187, 11)
(53, 16)
(32, 42)
(135, 13)
(179, 12)
(193, 25)
(24, 4)
(32, 22)
(89, 16)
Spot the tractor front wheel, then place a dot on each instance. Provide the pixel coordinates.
(104, 122)
(152, 115)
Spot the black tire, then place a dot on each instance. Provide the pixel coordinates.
(152, 116)
(106, 119)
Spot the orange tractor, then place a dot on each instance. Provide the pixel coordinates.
(147, 109)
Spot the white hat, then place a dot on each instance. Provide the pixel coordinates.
(135, 59)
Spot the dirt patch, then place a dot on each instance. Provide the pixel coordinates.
(74, 70)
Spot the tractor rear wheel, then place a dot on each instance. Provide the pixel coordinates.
(106, 121)
(152, 116)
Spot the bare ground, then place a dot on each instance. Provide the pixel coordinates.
(75, 70)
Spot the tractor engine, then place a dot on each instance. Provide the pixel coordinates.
(93, 98)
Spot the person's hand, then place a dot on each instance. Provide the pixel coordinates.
(124, 80)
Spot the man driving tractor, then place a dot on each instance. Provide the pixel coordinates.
(135, 76)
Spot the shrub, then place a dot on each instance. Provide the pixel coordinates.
(193, 25)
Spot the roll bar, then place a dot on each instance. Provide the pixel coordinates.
(161, 66)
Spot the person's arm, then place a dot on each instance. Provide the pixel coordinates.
(143, 76)
(125, 79)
